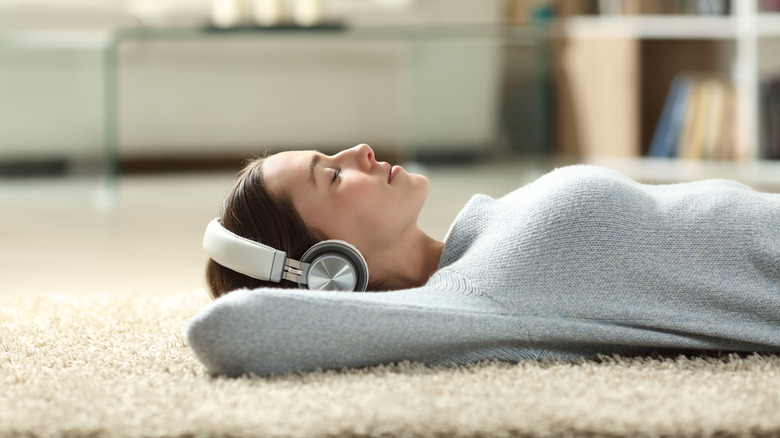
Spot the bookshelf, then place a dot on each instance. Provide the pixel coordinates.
(765, 25)
(650, 27)
(618, 70)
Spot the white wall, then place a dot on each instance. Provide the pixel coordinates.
(230, 96)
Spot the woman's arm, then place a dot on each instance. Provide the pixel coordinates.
(270, 331)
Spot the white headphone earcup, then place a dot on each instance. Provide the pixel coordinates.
(335, 265)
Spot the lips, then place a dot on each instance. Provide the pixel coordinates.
(394, 172)
(389, 170)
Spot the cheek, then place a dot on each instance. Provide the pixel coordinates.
(359, 208)
(336, 218)
(314, 214)
(356, 211)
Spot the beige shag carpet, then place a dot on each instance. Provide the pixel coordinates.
(117, 365)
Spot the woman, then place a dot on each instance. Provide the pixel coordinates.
(583, 261)
(291, 200)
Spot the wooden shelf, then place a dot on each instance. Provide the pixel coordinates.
(760, 174)
(617, 71)
(667, 26)
(651, 27)
(768, 25)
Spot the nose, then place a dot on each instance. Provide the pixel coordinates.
(362, 155)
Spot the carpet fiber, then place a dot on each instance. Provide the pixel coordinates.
(117, 365)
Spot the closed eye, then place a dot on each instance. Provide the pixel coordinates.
(336, 175)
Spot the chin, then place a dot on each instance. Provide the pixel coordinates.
(419, 178)
(420, 182)
(422, 186)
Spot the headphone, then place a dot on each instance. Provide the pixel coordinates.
(328, 265)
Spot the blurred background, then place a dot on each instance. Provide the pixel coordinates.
(122, 122)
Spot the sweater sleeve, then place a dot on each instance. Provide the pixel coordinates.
(273, 331)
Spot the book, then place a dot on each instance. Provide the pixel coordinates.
(727, 140)
(690, 144)
(713, 110)
(667, 134)
(770, 115)
(697, 120)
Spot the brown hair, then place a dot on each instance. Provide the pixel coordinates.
(252, 212)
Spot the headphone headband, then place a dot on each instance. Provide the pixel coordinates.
(243, 255)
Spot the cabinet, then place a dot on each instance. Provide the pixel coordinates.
(412, 92)
(615, 73)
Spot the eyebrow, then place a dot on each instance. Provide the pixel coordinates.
(315, 160)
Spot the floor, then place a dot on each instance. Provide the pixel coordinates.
(144, 234)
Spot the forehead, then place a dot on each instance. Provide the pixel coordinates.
(286, 170)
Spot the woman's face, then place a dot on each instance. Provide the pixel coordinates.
(349, 196)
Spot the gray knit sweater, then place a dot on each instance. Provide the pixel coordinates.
(583, 261)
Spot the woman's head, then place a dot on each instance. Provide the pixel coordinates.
(252, 212)
(292, 200)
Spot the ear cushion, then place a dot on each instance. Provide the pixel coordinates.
(335, 265)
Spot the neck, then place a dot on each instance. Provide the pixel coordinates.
(408, 264)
